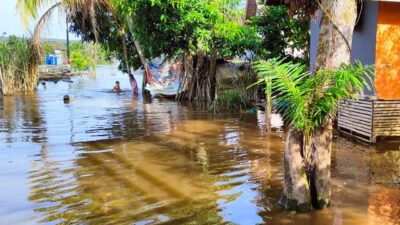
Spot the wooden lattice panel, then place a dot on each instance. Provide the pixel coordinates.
(367, 120)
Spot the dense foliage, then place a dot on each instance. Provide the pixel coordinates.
(187, 25)
(283, 34)
(81, 62)
(135, 30)
(197, 31)
(109, 33)
(89, 54)
(168, 27)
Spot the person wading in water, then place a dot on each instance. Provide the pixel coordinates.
(116, 88)
(133, 83)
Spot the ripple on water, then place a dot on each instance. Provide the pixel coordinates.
(110, 158)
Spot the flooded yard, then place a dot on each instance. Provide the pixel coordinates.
(108, 158)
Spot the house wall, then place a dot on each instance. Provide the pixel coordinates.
(314, 27)
(387, 64)
(364, 37)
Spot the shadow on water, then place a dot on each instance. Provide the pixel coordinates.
(108, 158)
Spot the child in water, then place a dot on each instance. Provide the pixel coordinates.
(116, 88)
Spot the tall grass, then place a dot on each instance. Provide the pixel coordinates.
(19, 60)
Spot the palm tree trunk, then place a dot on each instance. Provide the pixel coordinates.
(321, 174)
(334, 49)
(296, 194)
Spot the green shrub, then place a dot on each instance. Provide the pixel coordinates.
(81, 62)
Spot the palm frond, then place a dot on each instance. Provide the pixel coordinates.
(28, 9)
(286, 79)
(41, 25)
(306, 102)
(84, 9)
(87, 9)
(332, 86)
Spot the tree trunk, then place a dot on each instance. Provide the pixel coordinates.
(125, 50)
(141, 55)
(199, 79)
(132, 79)
(144, 63)
(336, 33)
(321, 174)
(213, 74)
(296, 194)
(334, 49)
(185, 84)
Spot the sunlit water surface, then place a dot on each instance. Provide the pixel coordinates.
(108, 158)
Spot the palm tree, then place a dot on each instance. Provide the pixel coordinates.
(334, 50)
(29, 10)
(82, 9)
(309, 104)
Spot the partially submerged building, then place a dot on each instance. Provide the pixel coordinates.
(376, 41)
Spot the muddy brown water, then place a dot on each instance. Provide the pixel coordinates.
(109, 158)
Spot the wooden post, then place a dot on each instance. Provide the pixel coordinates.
(268, 111)
(268, 104)
(67, 31)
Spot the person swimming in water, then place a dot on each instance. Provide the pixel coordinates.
(116, 88)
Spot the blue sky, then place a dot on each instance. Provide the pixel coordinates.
(10, 22)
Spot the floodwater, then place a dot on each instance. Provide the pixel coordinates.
(108, 158)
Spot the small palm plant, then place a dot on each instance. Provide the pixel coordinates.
(306, 101)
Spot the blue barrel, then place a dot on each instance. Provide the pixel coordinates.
(51, 59)
(48, 60)
(55, 60)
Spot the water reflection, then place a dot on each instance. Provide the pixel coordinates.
(111, 158)
(21, 119)
(189, 166)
